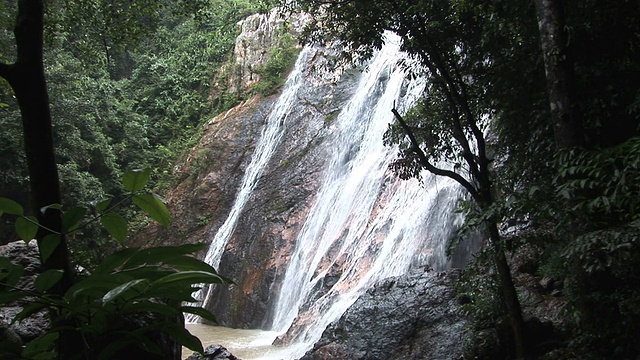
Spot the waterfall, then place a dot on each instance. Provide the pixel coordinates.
(269, 139)
(265, 147)
(365, 225)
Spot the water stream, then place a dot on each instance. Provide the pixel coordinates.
(365, 224)
(269, 140)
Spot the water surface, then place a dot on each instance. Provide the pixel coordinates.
(245, 344)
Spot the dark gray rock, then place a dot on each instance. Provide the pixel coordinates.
(410, 317)
(214, 352)
(26, 255)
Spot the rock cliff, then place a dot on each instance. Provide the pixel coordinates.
(210, 176)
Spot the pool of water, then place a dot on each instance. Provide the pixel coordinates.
(245, 344)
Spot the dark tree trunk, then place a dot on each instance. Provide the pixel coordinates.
(508, 291)
(559, 73)
(27, 79)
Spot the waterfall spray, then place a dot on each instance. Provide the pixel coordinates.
(366, 224)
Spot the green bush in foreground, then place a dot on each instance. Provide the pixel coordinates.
(133, 298)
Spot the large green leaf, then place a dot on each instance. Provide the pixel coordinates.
(10, 273)
(203, 313)
(42, 347)
(152, 204)
(47, 279)
(71, 219)
(95, 286)
(116, 225)
(183, 337)
(191, 277)
(28, 310)
(48, 245)
(101, 205)
(10, 207)
(186, 263)
(27, 227)
(136, 180)
(115, 260)
(7, 297)
(52, 206)
(162, 255)
(151, 307)
(120, 290)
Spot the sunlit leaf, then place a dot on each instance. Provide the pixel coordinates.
(192, 277)
(52, 206)
(101, 205)
(136, 180)
(115, 260)
(8, 206)
(116, 225)
(118, 291)
(152, 205)
(72, 218)
(27, 227)
(48, 245)
(48, 279)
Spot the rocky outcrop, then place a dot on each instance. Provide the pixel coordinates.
(259, 33)
(410, 317)
(214, 352)
(256, 255)
(26, 255)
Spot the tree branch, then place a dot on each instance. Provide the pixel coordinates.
(430, 167)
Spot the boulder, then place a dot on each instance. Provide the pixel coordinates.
(415, 316)
(26, 255)
(214, 352)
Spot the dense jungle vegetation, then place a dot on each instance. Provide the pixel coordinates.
(129, 88)
(533, 106)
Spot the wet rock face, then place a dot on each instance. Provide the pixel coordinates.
(409, 317)
(258, 251)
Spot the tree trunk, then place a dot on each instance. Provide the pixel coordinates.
(559, 73)
(508, 291)
(27, 79)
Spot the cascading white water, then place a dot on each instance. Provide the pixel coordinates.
(366, 224)
(269, 140)
(265, 147)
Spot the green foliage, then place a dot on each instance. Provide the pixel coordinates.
(204, 220)
(129, 87)
(602, 184)
(102, 306)
(280, 60)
